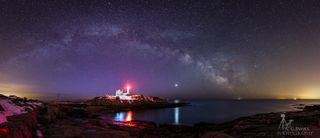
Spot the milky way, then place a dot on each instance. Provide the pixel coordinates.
(210, 49)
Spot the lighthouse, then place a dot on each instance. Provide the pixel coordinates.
(128, 89)
(124, 94)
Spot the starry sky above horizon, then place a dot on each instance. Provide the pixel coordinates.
(167, 48)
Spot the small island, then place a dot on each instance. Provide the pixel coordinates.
(123, 99)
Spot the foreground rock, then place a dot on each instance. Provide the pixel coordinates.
(19, 117)
(82, 128)
(23, 118)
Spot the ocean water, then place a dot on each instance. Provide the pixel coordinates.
(215, 111)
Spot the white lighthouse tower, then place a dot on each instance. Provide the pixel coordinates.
(128, 89)
(124, 95)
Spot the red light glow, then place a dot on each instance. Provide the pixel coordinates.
(128, 87)
(4, 131)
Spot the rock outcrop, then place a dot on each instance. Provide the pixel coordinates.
(140, 101)
(19, 117)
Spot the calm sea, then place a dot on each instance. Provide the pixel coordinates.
(216, 111)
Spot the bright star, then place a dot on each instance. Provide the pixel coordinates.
(176, 85)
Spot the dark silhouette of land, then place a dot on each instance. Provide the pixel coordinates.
(83, 119)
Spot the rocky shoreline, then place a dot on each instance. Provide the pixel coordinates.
(67, 119)
(20, 117)
(259, 125)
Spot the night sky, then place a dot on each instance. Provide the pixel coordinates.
(167, 48)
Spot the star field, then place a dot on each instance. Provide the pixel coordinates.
(168, 48)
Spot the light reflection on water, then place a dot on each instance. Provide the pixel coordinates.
(176, 116)
(128, 116)
(123, 116)
(216, 111)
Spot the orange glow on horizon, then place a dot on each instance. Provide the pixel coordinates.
(310, 93)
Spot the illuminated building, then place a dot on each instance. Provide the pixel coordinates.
(123, 95)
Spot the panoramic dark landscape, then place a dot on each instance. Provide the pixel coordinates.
(159, 68)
